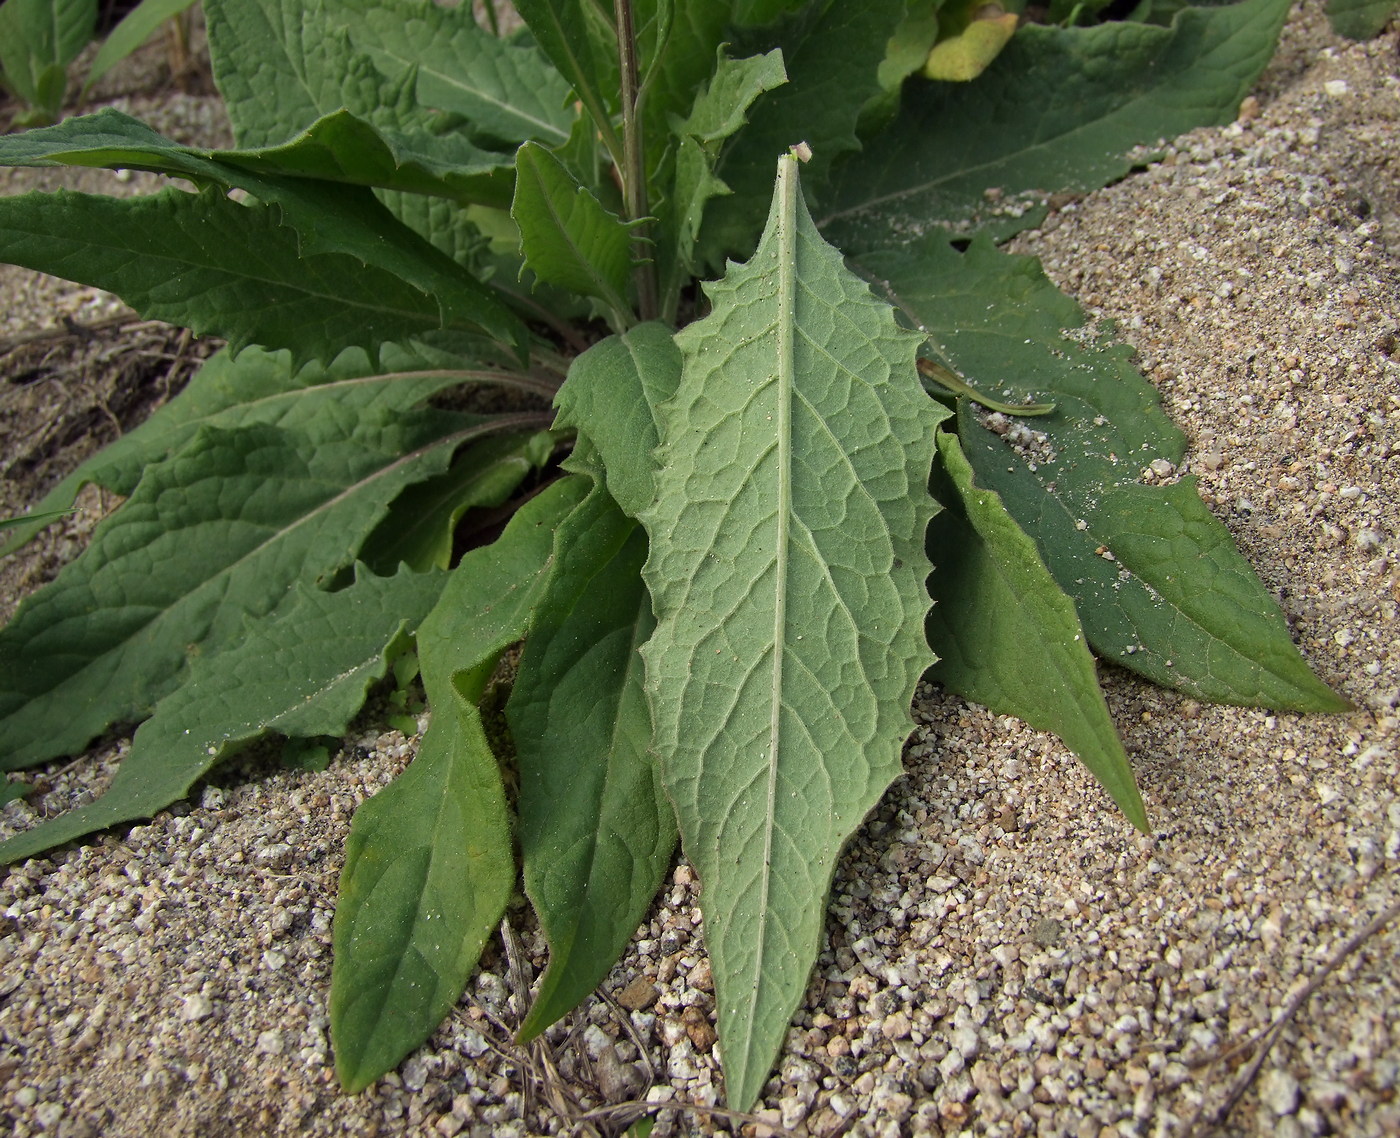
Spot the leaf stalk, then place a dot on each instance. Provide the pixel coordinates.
(634, 181)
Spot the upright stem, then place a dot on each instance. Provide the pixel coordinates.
(634, 176)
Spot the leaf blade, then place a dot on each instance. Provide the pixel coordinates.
(429, 867)
(1044, 118)
(791, 497)
(596, 829)
(1008, 638)
(303, 674)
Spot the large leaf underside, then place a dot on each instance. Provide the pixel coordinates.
(787, 571)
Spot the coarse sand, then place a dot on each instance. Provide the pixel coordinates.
(1005, 955)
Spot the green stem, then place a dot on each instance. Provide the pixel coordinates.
(951, 381)
(634, 178)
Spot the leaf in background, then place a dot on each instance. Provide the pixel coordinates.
(596, 830)
(1158, 583)
(136, 27)
(1007, 637)
(677, 44)
(506, 91)
(567, 236)
(257, 387)
(217, 533)
(419, 527)
(787, 573)
(218, 267)
(963, 56)
(428, 864)
(832, 54)
(319, 218)
(38, 40)
(1059, 109)
(303, 673)
(611, 395)
(582, 43)
(1360, 19)
(718, 111)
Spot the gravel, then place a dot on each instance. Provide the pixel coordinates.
(1005, 955)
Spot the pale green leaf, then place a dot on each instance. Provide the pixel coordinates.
(596, 829)
(787, 573)
(302, 674)
(718, 111)
(136, 27)
(566, 234)
(611, 395)
(1158, 583)
(38, 39)
(428, 865)
(1059, 109)
(1008, 637)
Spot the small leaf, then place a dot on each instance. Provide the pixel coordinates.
(787, 573)
(136, 27)
(717, 113)
(428, 864)
(303, 674)
(567, 236)
(596, 830)
(964, 56)
(1360, 19)
(611, 395)
(1007, 636)
(1059, 109)
(38, 39)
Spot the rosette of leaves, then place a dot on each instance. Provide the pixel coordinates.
(757, 512)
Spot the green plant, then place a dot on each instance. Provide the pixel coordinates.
(724, 596)
(40, 38)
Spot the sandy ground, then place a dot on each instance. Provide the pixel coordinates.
(1006, 956)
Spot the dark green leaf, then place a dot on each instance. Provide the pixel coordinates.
(582, 42)
(1158, 583)
(1360, 19)
(257, 387)
(596, 829)
(214, 535)
(428, 866)
(316, 217)
(1007, 636)
(219, 267)
(1060, 109)
(419, 527)
(302, 674)
(832, 53)
(567, 236)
